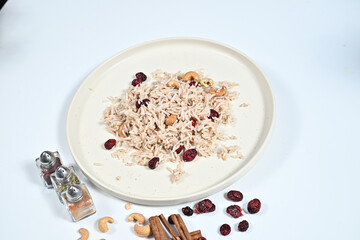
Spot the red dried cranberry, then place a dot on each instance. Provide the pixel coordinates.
(201, 238)
(141, 76)
(187, 211)
(153, 163)
(179, 150)
(254, 206)
(225, 229)
(136, 82)
(193, 83)
(234, 211)
(194, 121)
(145, 102)
(235, 196)
(109, 144)
(213, 114)
(138, 103)
(189, 155)
(243, 226)
(205, 206)
(170, 220)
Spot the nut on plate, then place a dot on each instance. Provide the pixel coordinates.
(173, 83)
(191, 76)
(207, 82)
(219, 93)
(123, 130)
(171, 120)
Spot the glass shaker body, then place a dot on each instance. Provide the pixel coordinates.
(78, 208)
(61, 183)
(47, 164)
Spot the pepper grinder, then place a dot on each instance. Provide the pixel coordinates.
(47, 164)
(62, 178)
(78, 202)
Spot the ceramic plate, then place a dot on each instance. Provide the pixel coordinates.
(253, 125)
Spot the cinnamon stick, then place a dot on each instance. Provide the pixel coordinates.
(161, 229)
(194, 235)
(154, 228)
(183, 226)
(168, 227)
(176, 222)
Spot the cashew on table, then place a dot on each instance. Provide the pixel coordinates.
(103, 227)
(84, 234)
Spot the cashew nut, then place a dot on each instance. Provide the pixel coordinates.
(142, 231)
(103, 227)
(171, 120)
(84, 234)
(219, 93)
(127, 206)
(123, 130)
(207, 82)
(191, 76)
(136, 217)
(173, 83)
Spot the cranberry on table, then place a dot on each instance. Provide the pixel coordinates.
(235, 196)
(235, 211)
(194, 121)
(141, 76)
(187, 211)
(201, 238)
(189, 155)
(254, 206)
(213, 114)
(205, 206)
(179, 150)
(136, 82)
(153, 163)
(145, 102)
(109, 144)
(225, 229)
(243, 226)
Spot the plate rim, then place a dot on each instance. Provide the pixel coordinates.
(190, 197)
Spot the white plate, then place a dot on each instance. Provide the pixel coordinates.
(253, 124)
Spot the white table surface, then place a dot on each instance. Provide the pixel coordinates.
(308, 179)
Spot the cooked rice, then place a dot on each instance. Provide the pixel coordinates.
(149, 136)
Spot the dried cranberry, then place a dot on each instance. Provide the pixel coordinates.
(205, 206)
(141, 76)
(136, 82)
(187, 211)
(170, 220)
(254, 206)
(234, 211)
(189, 155)
(153, 163)
(138, 103)
(235, 196)
(213, 114)
(193, 83)
(201, 238)
(194, 121)
(179, 150)
(243, 226)
(109, 144)
(145, 102)
(225, 229)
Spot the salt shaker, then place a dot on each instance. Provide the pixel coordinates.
(78, 202)
(62, 178)
(47, 164)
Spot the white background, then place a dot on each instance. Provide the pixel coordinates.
(308, 179)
